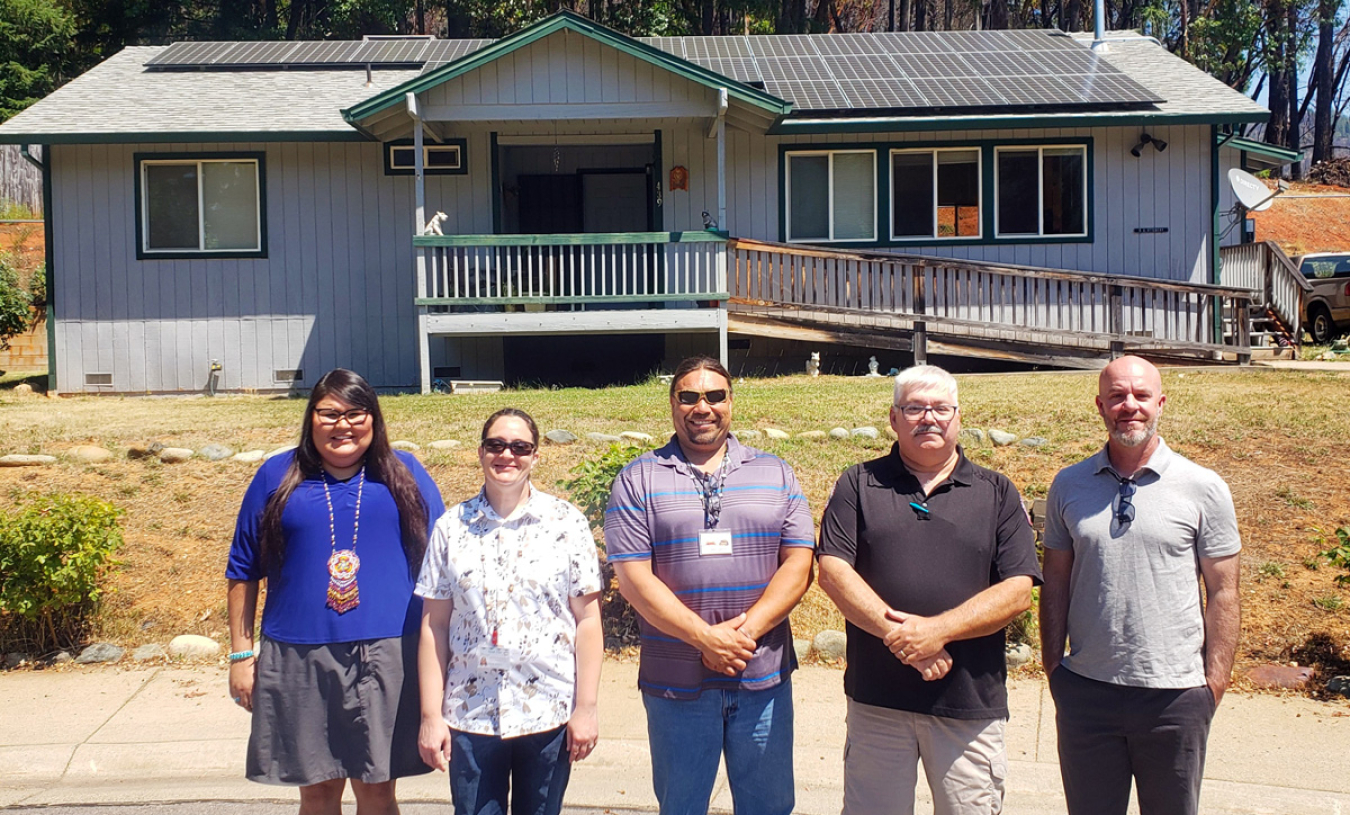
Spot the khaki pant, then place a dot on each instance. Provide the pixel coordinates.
(964, 760)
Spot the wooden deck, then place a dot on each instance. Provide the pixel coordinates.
(915, 303)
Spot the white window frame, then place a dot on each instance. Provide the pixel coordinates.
(935, 237)
(787, 199)
(427, 150)
(201, 249)
(1040, 191)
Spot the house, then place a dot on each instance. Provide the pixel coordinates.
(250, 215)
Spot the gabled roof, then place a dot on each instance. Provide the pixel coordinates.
(568, 21)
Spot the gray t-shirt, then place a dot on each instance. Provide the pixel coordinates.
(1135, 610)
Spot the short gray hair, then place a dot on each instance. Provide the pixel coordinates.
(924, 377)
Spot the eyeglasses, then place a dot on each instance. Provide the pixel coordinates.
(716, 397)
(355, 417)
(519, 448)
(1125, 509)
(915, 412)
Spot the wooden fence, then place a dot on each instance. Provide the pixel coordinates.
(20, 181)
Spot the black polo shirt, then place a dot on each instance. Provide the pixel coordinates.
(975, 534)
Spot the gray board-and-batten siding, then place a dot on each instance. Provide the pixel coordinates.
(337, 286)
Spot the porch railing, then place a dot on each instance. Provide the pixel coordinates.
(968, 298)
(637, 267)
(1265, 268)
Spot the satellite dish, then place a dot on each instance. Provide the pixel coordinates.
(1250, 190)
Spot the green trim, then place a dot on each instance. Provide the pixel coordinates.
(187, 137)
(611, 298)
(49, 254)
(496, 182)
(1283, 155)
(987, 202)
(199, 254)
(574, 239)
(909, 124)
(387, 150)
(565, 20)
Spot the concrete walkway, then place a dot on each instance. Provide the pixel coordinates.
(111, 735)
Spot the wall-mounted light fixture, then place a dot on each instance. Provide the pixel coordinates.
(1145, 140)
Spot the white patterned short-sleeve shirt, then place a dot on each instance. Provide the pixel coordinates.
(515, 577)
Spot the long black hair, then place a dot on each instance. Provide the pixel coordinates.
(381, 465)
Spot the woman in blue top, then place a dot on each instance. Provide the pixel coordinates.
(338, 530)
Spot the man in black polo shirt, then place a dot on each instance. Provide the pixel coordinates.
(928, 556)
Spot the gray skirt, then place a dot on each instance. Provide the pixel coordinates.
(342, 710)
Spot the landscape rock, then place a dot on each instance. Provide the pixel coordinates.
(802, 647)
(248, 456)
(971, 437)
(99, 652)
(444, 444)
(747, 434)
(633, 435)
(23, 389)
(602, 438)
(866, 432)
(216, 452)
(193, 646)
(62, 657)
(17, 460)
(90, 454)
(1002, 438)
(775, 433)
(830, 645)
(1339, 685)
(1280, 676)
(1034, 441)
(811, 434)
(14, 660)
(136, 452)
(561, 436)
(838, 433)
(173, 455)
(404, 444)
(1017, 654)
(284, 449)
(149, 652)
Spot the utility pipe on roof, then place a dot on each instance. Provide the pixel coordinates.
(1099, 37)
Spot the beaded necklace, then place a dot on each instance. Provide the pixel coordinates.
(343, 565)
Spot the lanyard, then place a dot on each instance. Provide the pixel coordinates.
(710, 487)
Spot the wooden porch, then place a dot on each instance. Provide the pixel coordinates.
(487, 285)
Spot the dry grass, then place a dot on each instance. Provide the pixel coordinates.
(1278, 437)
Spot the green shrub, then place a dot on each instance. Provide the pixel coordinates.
(1338, 555)
(14, 302)
(594, 478)
(54, 552)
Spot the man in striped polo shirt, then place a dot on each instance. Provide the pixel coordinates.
(712, 542)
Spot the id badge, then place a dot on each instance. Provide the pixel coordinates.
(496, 657)
(714, 542)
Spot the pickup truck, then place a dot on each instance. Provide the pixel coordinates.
(1326, 309)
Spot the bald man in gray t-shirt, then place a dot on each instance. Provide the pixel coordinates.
(1130, 535)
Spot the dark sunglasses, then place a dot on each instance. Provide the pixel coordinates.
(1125, 510)
(716, 397)
(518, 448)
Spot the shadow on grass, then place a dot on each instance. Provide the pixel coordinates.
(37, 380)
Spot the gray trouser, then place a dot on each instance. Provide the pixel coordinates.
(1109, 734)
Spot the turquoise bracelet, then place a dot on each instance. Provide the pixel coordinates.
(240, 656)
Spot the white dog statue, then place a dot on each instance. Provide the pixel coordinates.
(434, 225)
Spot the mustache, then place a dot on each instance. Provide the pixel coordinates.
(926, 428)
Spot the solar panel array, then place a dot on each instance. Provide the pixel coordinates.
(943, 72)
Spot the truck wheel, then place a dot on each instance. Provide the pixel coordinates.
(1320, 326)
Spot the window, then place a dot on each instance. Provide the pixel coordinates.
(935, 193)
(1041, 191)
(831, 196)
(437, 159)
(200, 205)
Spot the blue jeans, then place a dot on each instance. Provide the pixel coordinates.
(534, 768)
(689, 736)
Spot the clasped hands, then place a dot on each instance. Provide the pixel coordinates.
(919, 643)
(725, 647)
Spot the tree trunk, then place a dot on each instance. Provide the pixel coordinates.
(903, 18)
(998, 15)
(1323, 134)
(1073, 15)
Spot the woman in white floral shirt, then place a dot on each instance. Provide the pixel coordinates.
(509, 662)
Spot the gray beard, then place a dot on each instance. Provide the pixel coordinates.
(1136, 438)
